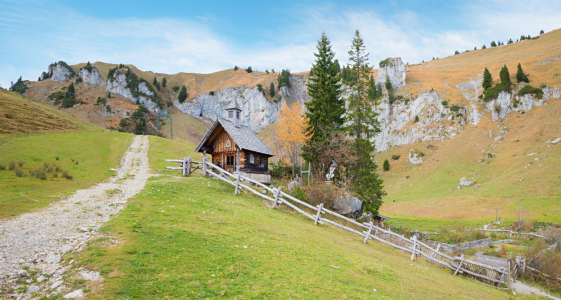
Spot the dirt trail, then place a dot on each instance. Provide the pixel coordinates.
(39, 240)
(522, 288)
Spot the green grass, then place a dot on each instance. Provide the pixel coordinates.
(184, 238)
(87, 155)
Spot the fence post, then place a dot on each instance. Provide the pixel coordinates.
(189, 166)
(369, 231)
(434, 253)
(184, 165)
(277, 194)
(320, 207)
(414, 247)
(204, 163)
(460, 265)
(237, 185)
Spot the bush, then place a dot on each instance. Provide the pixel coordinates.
(19, 86)
(20, 163)
(282, 170)
(66, 174)
(211, 93)
(384, 62)
(175, 89)
(386, 165)
(249, 70)
(321, 193)
(11, 165)
(259, 87)
(528, 89)
(416, 119)
(396, 156)
(444, 102)
(454, 107)
(2, 167)
(20, 173)
(235, 68)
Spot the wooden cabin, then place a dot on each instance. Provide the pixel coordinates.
(235, 147)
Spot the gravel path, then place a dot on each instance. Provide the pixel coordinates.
(39, 240)
(522, 288)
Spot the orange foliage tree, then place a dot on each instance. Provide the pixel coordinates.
(290, 133)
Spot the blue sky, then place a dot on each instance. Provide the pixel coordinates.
(208, 36)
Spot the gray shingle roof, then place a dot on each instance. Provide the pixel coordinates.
(242, 136)
(233, 105)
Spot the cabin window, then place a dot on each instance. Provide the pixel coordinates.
(238, 115)
(251, 159)
(230, 114)
(230, 160)
(261, 162)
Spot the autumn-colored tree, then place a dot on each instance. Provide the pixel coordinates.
(290, 133)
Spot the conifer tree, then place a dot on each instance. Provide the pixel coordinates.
(487, 79)
(337, 66)
(362, 126)
(386, 165)
(108, 95)
(371, 88)
(182, 95)
(235, 68)
(379, 92)
(326, 108)
(249, 70)
(505, 78)
(542, 32)
(493, 44)
(510, 41)
(272, 89)
(70, 91)
(164, 82)
(483, 47)
(520, 76)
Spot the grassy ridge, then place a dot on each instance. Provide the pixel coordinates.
(191, 238)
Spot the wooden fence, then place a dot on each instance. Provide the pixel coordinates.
(320, 215)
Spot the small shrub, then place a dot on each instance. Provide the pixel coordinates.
(416, 119)
(20, 163)
(2, 167)
(11, 165)
(321, 193)
(175, 88)
(56, 157)
(386, 165)
(211, 93)
(444, 102)
(406, 101)
(543, 86)
(528, 89)
(396, 156)
(300, 194)
(8, 116)
(66, 175)
(20, 173)
(41, 175)
(454, 107)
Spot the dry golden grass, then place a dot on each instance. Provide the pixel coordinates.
(19, 114)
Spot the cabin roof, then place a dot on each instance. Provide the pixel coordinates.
(382, 217)
(233, 105)
(244, 138)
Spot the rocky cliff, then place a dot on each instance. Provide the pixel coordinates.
(257, 111)
(92, 76)
(59, 71)
(120, 86)
(395, 70)
(510, 101)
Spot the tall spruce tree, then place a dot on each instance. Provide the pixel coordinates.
(505, 78)
(70, 91)
(371, 88)
(487, 79)
(362, 126)
(272, 89)
(337, 66)
(164, 82)
(182, 95)
(379, 92)
(520, 76)
(326, 108)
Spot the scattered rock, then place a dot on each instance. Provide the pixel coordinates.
(459, 187)
(415, 156)
(466, 182)
(41, 278)
(90, 275)
(33, 289)
(75, 294)
(23, 273)
(56, 284)
(67, 248)
(55, 259)
(533, 153)
(555, 141)
(83, 229)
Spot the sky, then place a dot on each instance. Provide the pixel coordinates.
(209, 36)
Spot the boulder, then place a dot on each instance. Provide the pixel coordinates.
(466, 182)
(415, 156)
(33, 289)
(347, 204)
(395, 70)
(75, 294)
(23, 273)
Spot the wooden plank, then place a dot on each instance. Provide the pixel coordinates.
(189, 166)
(319, 213)
(237, 185)
(460, 265)
(277, 194)
(204, 163)
(369, 231)
(414, 247)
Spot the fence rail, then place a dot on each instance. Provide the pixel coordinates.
(418, 249)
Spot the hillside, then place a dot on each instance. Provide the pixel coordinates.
(192, 238)
(20, 114)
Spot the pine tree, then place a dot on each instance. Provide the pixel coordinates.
(155, 83)
(457, 52)
(249, 70)
(108, 95)
(505, 78)
(493, 44)
(483, 47)
(311, 72)
(326, 108)
(164, 82)
(182, 95)
(371, 88)
(235, 68)
(272, 89)
(363, 125)
(487, 79)
(386, 165)
(70, 91)
(542, 32)
(520, 76)
(267, 71)
(416, 119)
(337, 66)
(510, 41)
(379, 92)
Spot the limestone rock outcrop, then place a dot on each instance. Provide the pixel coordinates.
(395, 69)
(59, 72)
(92, 76)
(415, 156)
(510, 101)
(257, 111)
(119, 86)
